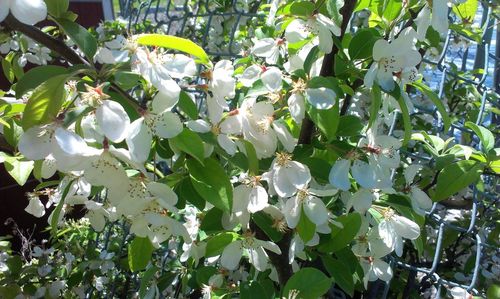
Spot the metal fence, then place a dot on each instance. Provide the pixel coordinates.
(440, 266)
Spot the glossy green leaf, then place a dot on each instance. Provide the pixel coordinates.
(36, 76)
(252, 289)
(57, 8)
(376, 96)
(392, 9)
(81, 36)
(333, 7)
(19, 170)
(188, 106)
(174, 43)
(212, 183)
(341, 237)
(487, 138)
(310, 283)
(253, 161)
(456, 177)
(349, 125)
(44, 104)
(405, 113)
(305, 228)
(302, 8)
(361, 45)
(217, 243)
(340, 272)
(190, 143)
(466, 10)
(140, 251)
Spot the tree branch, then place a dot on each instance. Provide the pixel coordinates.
(40, 37)
(346, 11)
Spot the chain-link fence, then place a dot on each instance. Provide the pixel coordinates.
(459, 251)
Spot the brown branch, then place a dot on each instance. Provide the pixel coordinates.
(40, 37)
(347, 10)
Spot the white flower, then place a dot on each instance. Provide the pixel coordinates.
(420, 201)
(28, 12)
(286, 177)
(248, 197)
(140, 134)
(318, 24)
(271, 77)
(391, 58)
(375, 268)
(270, 49)
(231, 256)
(314, 208)
(35, 207)
(222, 132)
(394, 228)
(383, 148)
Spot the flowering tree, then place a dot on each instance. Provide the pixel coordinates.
(278, 174)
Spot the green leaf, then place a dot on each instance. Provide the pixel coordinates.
(455, 177)
(19, 170)
(212, 183)
(306, 228)
(361, 45)
(405, 113)
(174, 43)
(466, 11)
(217, 243)
(349, 125)
(252, 289)
(57, 8)
(436, 101)
(211, 221)
(81, 36)
(302, 8)
(493, 291)
(310, 283)
(341, 273)
(485, 135)
(392, 9)
(265, 223)
(127, 80)
(326, 120)
(45, 102)
(187, 192)
(8, 70)
(253, 161)
(54, 217)
(311, 58)
(341, 237)
(190, 143)
(140, 251)
(188, 106)
(375, 105)
(146, 279)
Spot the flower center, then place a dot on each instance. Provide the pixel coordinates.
(283, 158)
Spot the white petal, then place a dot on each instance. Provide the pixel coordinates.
(163, 102)
(382, 270)
(339, 174)
(231, 255)
(420, 201)
(284, 136)
(4, 11)
(180, 66)
(297, 108)
(258, 258)
(272, 80)
(362, 200)
(97, 220)
(71, 143)
(321, 98)
(325, 40)
(199, 126)
(169, 88)
(169, 125)
(406, 228)
(250, 75)
(49, 167)
(113, 120)
(35, 207)
(315, 210)
(365, 174)
(370, 75)
(104, 170)
(292, 211)
(440, 16)
(139, 141)
(35, 143)
(263, 47)
(296, 31)
(166, 196)
(227, 144)
(411, 171)
(269, 246)
(28, 12)
(257, 199)
(387, 233)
